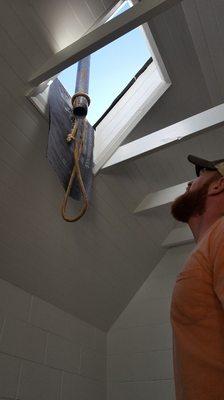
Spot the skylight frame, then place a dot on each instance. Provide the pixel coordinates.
(39, 95)
(109, 135)
(104, 149)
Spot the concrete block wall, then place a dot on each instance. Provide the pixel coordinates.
(46, 354)
(139, 344)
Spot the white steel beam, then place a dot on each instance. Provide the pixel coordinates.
(167, 136)
(160, 198)
(178, 237)
(101, 36)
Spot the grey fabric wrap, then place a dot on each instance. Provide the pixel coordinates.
(59, 152)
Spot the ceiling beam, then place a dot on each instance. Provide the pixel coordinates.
(165, 137)
(101, 36)
(178, 237)
(160, 198)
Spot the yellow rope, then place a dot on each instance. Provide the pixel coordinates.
(75, 172)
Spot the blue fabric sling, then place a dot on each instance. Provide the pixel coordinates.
(60, 153)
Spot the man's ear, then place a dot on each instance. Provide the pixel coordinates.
(216, 187)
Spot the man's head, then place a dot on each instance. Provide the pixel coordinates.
(205, 193)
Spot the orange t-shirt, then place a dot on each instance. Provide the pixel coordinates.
(197, 317)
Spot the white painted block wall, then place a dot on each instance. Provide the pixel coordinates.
(46, 354)
(139, 344)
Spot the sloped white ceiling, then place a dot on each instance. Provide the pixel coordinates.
(93, 268)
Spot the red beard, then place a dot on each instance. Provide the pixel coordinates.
(190, 204)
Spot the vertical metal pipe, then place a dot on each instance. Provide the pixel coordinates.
(82, 79)
(81, 100)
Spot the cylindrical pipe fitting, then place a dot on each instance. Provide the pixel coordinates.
(81, 100)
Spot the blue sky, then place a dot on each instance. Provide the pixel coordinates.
(112, 67)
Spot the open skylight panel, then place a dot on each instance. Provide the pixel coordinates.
(112, 68)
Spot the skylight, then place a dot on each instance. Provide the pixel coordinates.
(112, 68)
(127, 77)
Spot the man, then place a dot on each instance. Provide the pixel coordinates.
(197, 310)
